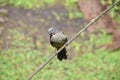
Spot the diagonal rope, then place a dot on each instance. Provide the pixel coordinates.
(40, 67)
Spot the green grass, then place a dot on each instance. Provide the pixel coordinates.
(29, 4)
(19, 61)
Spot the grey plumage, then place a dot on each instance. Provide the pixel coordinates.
(57, 40)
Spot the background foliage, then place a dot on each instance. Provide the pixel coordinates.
(115, 12)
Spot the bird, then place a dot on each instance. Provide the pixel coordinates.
(57, 40)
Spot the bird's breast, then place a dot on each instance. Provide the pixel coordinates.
(58, 40)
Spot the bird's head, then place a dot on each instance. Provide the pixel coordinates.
(52, 31)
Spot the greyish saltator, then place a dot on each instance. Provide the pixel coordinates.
(57, 40)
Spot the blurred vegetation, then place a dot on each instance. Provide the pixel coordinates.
(73, 10)
(88, 63)
(115, 12)
(28, 4)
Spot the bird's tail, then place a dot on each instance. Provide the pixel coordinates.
(62, 54)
